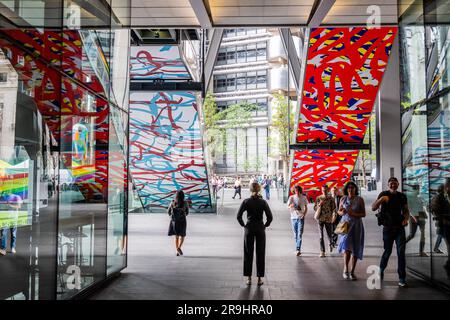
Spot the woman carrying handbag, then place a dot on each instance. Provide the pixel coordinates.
(351, 228)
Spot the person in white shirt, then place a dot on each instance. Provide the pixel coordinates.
(237, 187)
(298, 206)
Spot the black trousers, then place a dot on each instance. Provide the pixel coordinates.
(237, 191)
(254, 233)
(329, 231)
(397, 235)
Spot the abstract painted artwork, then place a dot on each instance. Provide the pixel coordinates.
(313, 168)
(343, 73)
(157, 62)
(344, 70)
(166, 152)
(47, 64)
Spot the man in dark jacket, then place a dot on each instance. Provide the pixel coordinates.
(394, 215)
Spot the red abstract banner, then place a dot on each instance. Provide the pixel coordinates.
(343, 73)
(344, 70)
(314, 168)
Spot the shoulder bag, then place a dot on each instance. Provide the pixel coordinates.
(342, 228)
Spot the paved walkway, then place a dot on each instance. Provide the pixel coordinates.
(212, 265)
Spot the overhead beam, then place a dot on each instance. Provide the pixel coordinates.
(294, 61)
(202, 13)
(319, 12)
(211, 55)
(329, 146)
(166, 86)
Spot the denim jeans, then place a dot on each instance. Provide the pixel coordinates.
(267, 190)
(421, 223)
(397, 235)
(297, 227)
(4, 233)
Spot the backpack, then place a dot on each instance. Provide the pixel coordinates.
(178, 214)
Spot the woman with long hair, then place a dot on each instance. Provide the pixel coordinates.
(255, 206)
(178, 210)
(351, 243)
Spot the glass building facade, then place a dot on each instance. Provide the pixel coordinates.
(424, 36)
(64, 150)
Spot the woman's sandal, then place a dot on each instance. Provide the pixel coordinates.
(260, 282)
(249, 281)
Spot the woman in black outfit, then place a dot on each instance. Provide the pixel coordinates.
(254, 231)
(178, 210)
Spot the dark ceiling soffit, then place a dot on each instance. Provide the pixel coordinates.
(166, 86)
(329, 146)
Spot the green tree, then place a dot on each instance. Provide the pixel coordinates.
(282, 123)
(219, 123)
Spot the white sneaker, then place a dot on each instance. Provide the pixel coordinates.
(2, 252)
(322, 255)
(13, 251)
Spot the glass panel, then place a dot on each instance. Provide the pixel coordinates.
(117, 191)
(412, 40)
(416, 188)
(439, 59)
(82, 211)
(439, 157)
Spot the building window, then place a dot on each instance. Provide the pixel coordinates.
(231, 56)
(261, 79)
(221, 58)
(3, 77)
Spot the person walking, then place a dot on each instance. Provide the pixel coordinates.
(351, 243)
(254, 232)
(14, 202)
(178, 210)
(237, 187)
(214, 184)
(325, 208)
(266, 182)
(440, 207)
(394, 216)
(336, 218)
(418, 219)
(298, 206)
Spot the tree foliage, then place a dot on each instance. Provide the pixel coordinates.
(283, 123)
(219, 122)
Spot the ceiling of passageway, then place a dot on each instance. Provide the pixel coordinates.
(216, 13)
(196, 13)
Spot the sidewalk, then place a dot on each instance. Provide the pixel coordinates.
(212, 265)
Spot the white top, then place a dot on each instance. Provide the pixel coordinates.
(299, 204)
(237, 183)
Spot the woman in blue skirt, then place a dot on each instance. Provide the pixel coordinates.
(352, 210)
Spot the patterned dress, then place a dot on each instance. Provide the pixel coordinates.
(354, 240)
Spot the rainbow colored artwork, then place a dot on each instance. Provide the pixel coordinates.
(166, 152)
(157, 62)
(344, 70)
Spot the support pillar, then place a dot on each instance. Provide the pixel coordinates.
(389, 122)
